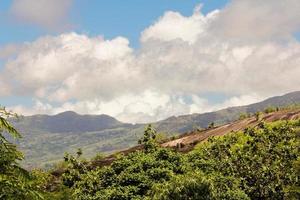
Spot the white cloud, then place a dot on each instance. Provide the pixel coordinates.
(73, 66)
(175, 26)
(51, 14)
(180, 58)
(258, 20)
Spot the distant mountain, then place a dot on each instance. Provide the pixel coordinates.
(46, 138)
(70, 122)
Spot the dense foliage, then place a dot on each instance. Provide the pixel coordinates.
(262, 159)
(258, 163)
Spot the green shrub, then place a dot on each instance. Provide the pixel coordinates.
(197, 185)
(262, 158)
(270, 109)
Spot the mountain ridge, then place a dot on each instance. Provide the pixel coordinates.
(46, 138)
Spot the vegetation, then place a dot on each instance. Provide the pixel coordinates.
(258, 116)
(244, 116)
(15, 182)
(271, 109)
(261, 162)
(258, 163)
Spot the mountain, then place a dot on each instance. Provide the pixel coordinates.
(70, 122)
(46, 138)
(186, 123)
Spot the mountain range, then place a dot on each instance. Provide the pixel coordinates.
(46, 138)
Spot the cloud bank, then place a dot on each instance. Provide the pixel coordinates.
(245, 52)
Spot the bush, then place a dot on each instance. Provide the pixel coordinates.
(262, 158)
(270, 109)
(199, 186)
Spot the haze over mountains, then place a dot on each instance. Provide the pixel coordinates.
(46, 138)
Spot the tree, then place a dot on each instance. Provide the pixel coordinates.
(15, 182)
(75, 168)
(149, 139)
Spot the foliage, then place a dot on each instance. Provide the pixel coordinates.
(244, 116)
(271, 109)
(259, 163)
(50, 186)
(130, 177)
(261, 158)
(75, 167)
(197, 185)
(258, 116)
(98, 156)
(149, 139)
(15, 182)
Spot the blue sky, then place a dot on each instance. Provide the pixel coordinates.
(108, 18)
(141, 61)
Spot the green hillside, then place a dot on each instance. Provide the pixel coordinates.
(46, 138)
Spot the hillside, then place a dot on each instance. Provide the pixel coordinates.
(187, 141)
(186, 123)
(69, 122)
(46, 138)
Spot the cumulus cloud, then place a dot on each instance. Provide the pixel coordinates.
(172, 25)
(180, 59)
(51, 14)
(73, 66)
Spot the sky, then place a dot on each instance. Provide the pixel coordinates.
(143, 61)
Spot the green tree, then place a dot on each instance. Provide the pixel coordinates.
(75, 168)
(15, 182)
(149, 139)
